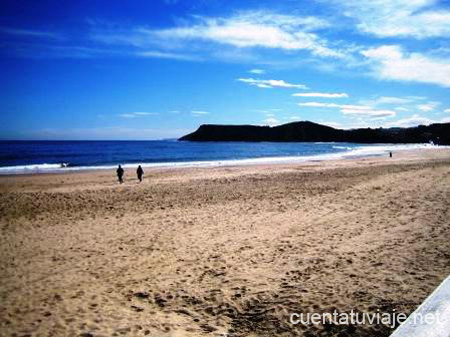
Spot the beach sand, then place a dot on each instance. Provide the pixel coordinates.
(229, 251)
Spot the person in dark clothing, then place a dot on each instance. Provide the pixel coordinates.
(140, 173)
(390, 154)
(120, 172)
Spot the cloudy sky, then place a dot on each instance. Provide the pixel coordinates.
(160, 68)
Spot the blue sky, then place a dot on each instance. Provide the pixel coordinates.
(158, 69)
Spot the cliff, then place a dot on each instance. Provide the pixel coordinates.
(313, 132)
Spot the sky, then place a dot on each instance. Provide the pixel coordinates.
(158, 69)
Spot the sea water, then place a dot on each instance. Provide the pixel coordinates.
(18, 157)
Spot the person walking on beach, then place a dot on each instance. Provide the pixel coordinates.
(120, 174)
(140, 173)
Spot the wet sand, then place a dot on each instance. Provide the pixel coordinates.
(222, 251)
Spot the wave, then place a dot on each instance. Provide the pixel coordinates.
(347, 152)
(32, 168)
(342, 147)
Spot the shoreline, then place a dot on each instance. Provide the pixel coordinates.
(366, 151)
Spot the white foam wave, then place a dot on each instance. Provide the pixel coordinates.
(348, 152)
(33, 168)
(342, 147)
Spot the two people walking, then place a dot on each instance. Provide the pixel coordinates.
(120, 172)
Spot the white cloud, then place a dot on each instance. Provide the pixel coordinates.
(242, 32)
(447, 110)
(320, 94)
(332, 124)
(268, 111)
(127, 115)
(369, 113)
(166, 55)
(247, 29)
(199, 112)
(271, 83)
(295, 118)
(352, 110)
(328, 123)
(411, 121)
(425, 107)
(136, 114)
(391, 63)
(334, 105)
(257, 71)
(319, 105)
(405, 18)
(417, 98)
(392, 100)
(287, 22)
(144, 113)
(409, 101)
(414, 120)
(430, 106)
(31, 33)
(271, 121)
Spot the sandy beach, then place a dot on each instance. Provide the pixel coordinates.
(224, 251)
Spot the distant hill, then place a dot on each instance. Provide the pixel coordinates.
(313, 132)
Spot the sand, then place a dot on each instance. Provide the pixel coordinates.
(225, 251)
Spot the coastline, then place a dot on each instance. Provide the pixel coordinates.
(229, 249)
(367, 150)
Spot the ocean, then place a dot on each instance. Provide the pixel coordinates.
(19, 157)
